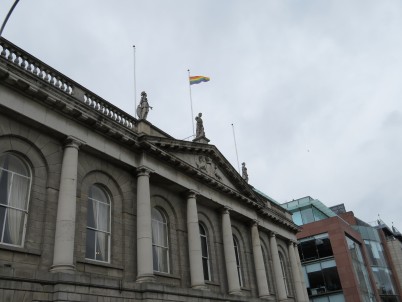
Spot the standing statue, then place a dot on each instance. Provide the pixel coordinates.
(199, 132)
(244, 173)
(143, 106)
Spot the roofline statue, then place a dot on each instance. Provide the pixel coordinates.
(200, 132)
(244, 173)
(143, 106)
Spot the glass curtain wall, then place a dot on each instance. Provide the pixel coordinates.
(307, 214)
(360, 271)
(379, 266)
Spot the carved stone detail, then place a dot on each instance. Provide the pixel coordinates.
(204, 163)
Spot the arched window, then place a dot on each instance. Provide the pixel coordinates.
(98, 224)
(15, 187)
(284, 272)
(238, 261)
(205, 253)
(160, 249)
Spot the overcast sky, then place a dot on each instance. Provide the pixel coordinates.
(313, 88)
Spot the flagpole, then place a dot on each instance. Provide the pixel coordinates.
(237, 156)
(135, 85)
(191, 101)
(8, 16)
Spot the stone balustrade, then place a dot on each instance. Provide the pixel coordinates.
(19, 58)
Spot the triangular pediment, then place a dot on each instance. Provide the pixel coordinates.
(206, 164)
(202, 160)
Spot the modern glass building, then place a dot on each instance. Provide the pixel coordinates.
(379, 241)
(331, 253)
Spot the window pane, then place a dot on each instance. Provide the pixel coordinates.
(202, 230)
(90, 244)
(297, 219)
(14, 226)
(324, 247)
(204, 248)
(331, 278)
(19, 192)
(320, 299)
(2, 217)
(316, 280)
(155, 257)
(5, 184)
(103, 217)
(160, 241)
(337, 298)
(318, 215)
(307, 215)
(164, 260)
(308, 250)
(91, 213)
(102, 246)
(206, 268)
(95, 192)
(163, 237)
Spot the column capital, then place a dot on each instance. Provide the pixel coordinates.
(255, 222)
(73, 142)
(291, 242)
(144, 171)
(272, 234)
(226, 210)
(191, 193)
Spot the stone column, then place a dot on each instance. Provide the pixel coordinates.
(230, 257)
(280, 282)
(63, 257)
(295, 272)
(145, 267)
(262, 283)
(194, 243)
(303, 284)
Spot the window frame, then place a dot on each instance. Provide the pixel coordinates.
(166, 248)
(25, 211)
(284, 267)
(236, 247)
(109, 232)
(207, 258)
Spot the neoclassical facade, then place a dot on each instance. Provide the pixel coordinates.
(96, 205)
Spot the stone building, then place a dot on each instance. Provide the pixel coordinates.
(96, 205)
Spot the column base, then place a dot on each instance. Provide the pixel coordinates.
(62, 268)
(145, 278)
(200, 287)
(236, 293)
(268, 297)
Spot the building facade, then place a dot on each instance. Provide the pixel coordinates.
(383, 246)
(96, 205)
(332, 254)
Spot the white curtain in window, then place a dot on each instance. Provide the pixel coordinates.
(98, 221)
(15, 185)
(18, 199)
(103, 226)
(160, 241)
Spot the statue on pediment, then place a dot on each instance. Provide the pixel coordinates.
(143, 106)
(199, 132)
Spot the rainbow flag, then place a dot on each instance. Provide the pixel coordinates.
(198, 79)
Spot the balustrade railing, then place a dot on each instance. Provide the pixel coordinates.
(28, 63)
